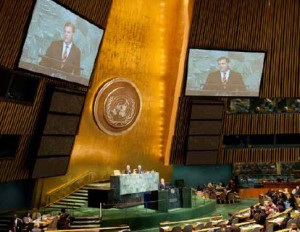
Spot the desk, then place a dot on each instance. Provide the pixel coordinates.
(218, 222)
(277, 220)
(45, 222)
(251, 227)
(243, 216)
(168, 228)
(209, 229)
(52, 72)
(134, 183)
(281, 185)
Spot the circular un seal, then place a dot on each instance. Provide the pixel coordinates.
(117, 106)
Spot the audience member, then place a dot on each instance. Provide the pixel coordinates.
(230, 219)
(257, 215)
(285, 221)
(36, 228)
(235, 228)
(232, 185)
(297, 191)
(251, 212)
(63, 221)
(224, 227)
(36, 214)
(282, 196)
(269, 193)
(271, 208)
(262, 217)
(293, 201)
(199, 188)
(27, 221)
(293, 228)
(210, 187)
(27, 218)
(16, 224)
(281, 205)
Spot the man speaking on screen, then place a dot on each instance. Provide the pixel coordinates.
(225, 81)
(63, 55)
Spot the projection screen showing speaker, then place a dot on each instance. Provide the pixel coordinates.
(60, 44)
(224, 73)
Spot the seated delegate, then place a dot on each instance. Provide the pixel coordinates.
(127, 169)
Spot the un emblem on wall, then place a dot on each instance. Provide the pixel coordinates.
(117, 106)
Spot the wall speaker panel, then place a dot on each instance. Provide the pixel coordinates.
(61, 124)
(203, 142)
(65, 102)
(205, 127)
(207, 111)
(201, 157)
(56, 145)
(47, 167)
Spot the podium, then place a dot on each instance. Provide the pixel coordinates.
(159, 201)
(163, 201)
(186, 197)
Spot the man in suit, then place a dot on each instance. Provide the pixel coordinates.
(128, 169)
(63, 55)
(224, 82)
(162, 184)
(63, 221)
(139, 170)
(16, 224)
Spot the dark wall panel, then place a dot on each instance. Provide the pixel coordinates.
(203, 142)
(207, 111)
(61, 124)
(56, 145)
(47, 167)
(63, 102)
(204, 127)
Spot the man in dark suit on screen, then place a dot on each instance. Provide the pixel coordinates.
(224, 82)
(63, 55)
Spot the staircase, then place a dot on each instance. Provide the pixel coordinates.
(85, 222)
(80, 199)
(73, 201)
(4, 224)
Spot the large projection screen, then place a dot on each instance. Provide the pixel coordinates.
(60, 44)
(224, 73)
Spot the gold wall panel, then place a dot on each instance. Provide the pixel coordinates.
(142, 43)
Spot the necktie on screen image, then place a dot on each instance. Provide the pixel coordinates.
(224, 77)
(64, 57)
